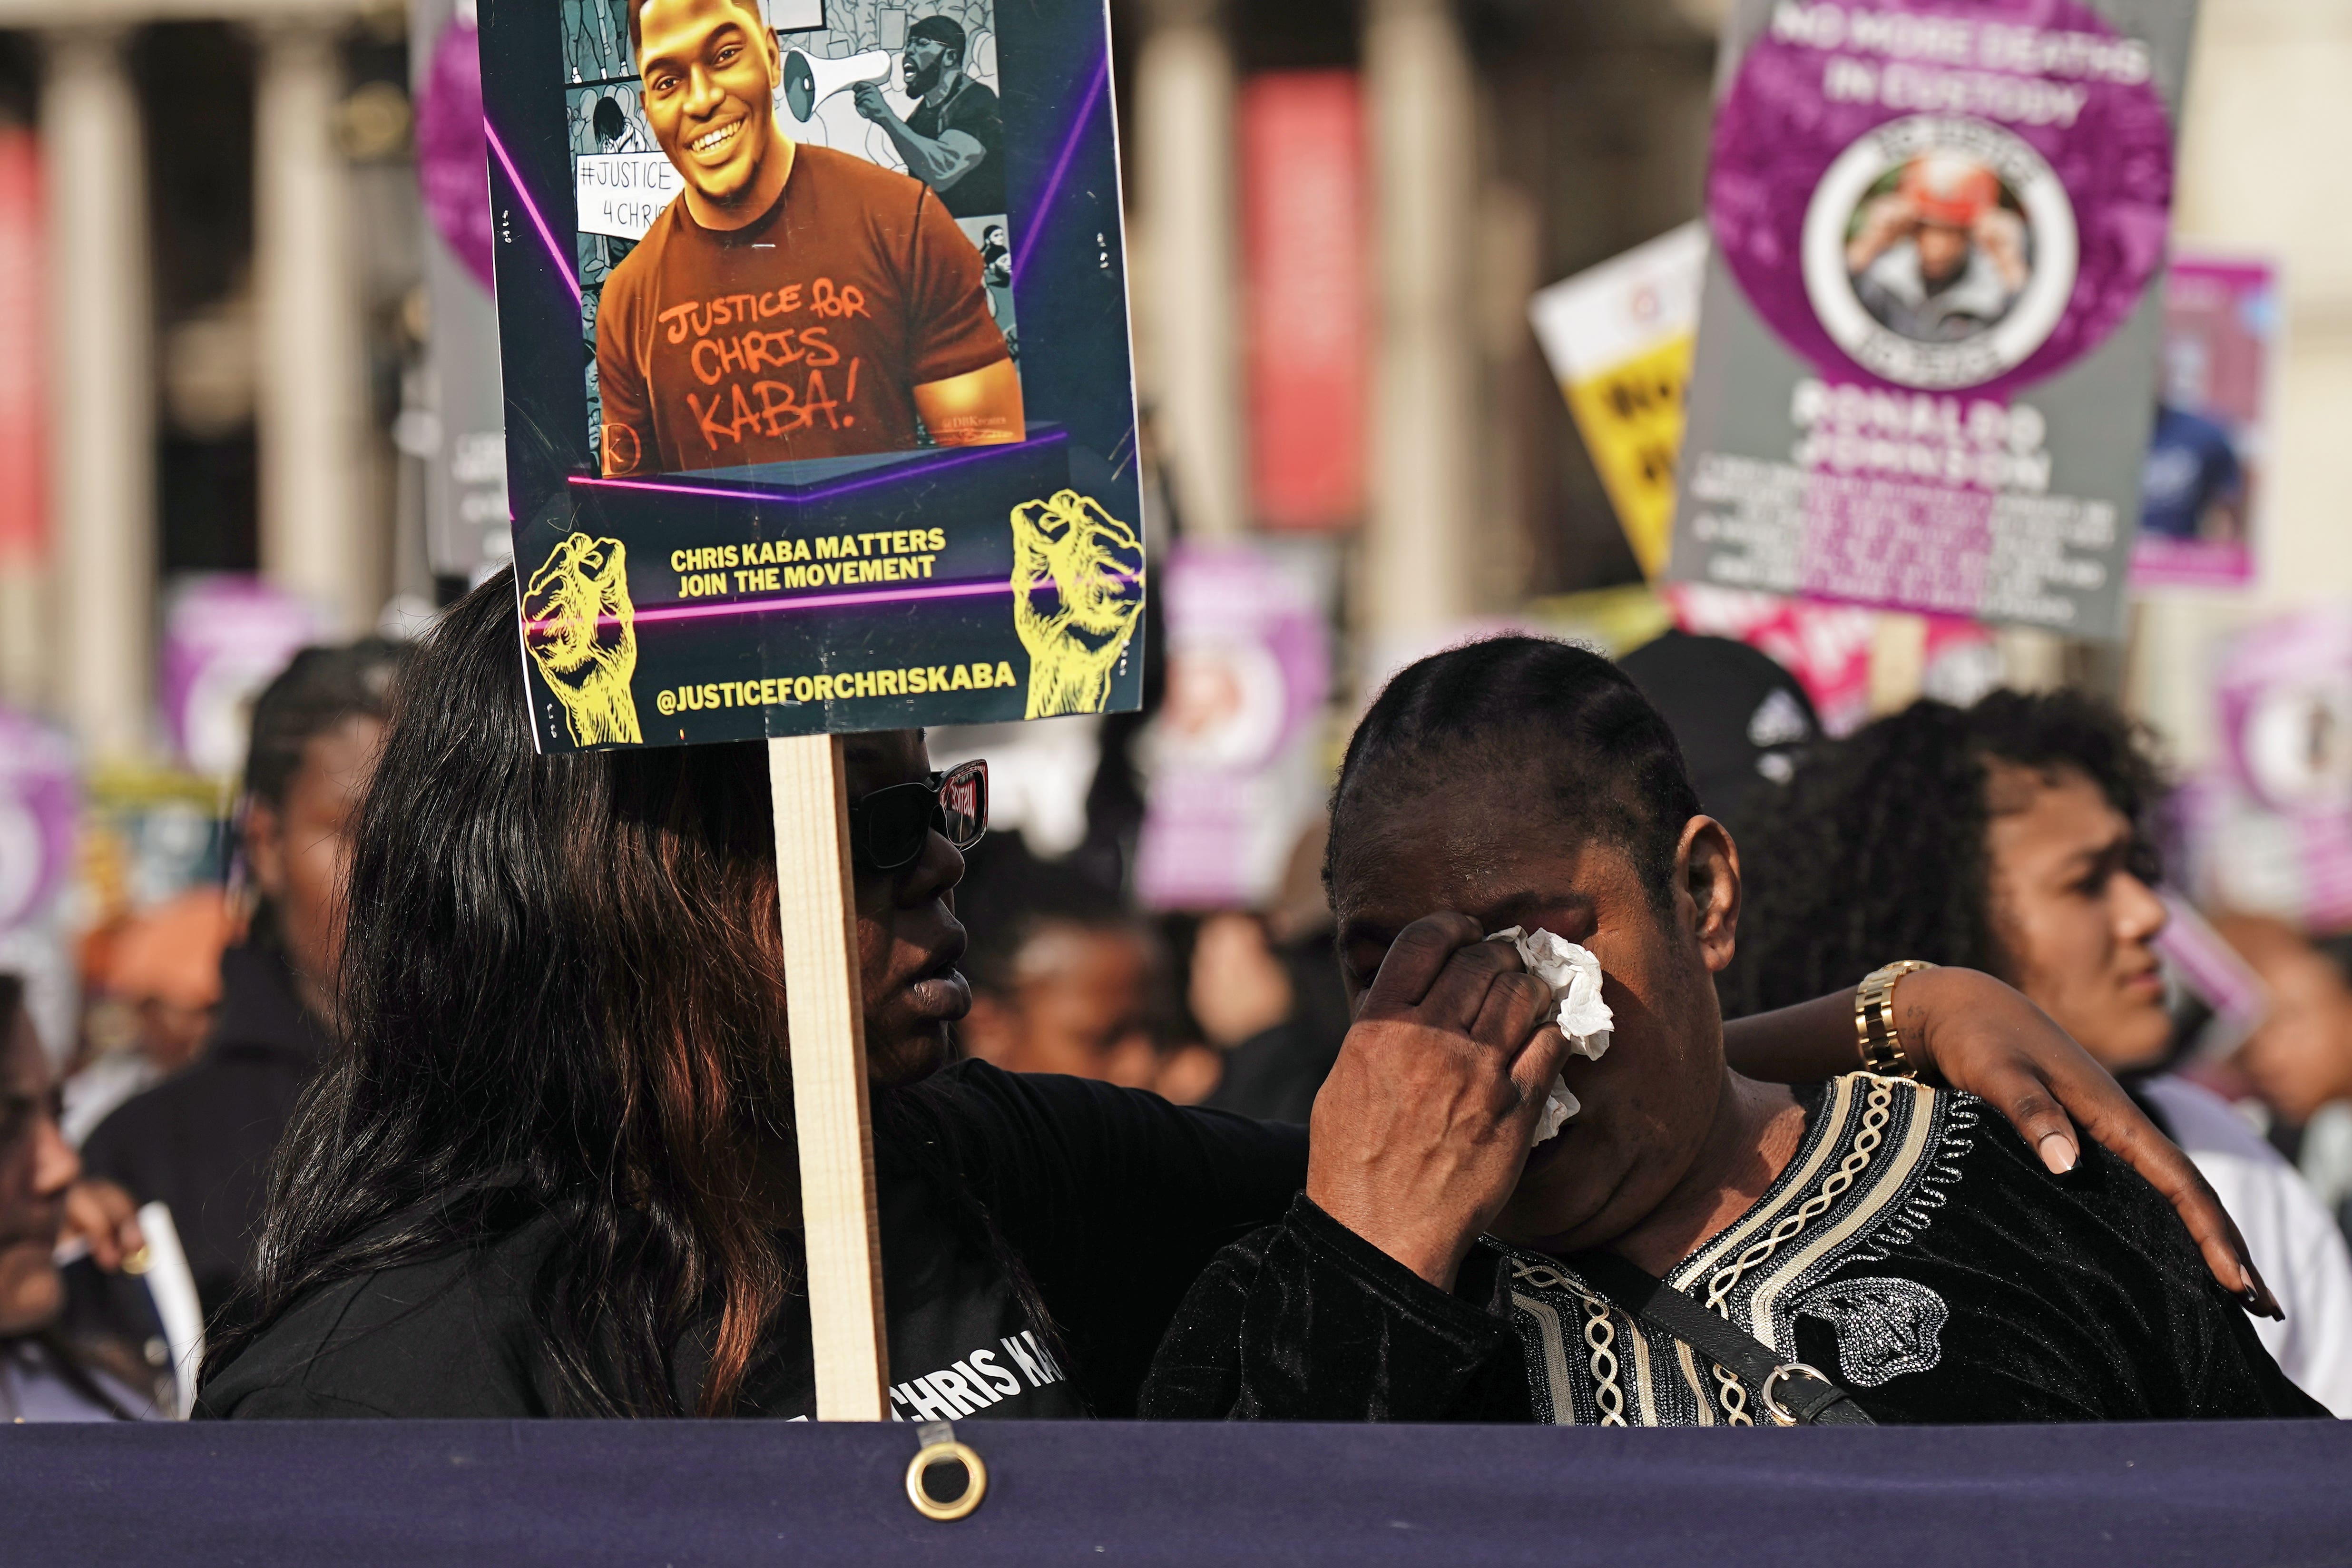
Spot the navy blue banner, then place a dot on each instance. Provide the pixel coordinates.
(357, 1494)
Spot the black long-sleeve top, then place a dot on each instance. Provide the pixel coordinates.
(200, 1140)
(1948, 1277)
(1111, 1200)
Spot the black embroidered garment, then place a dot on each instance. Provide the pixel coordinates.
(1914, 1249)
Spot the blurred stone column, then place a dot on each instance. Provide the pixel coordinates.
(26, 307)
(2032, 660)
(311, 386)
(1898, 662)
(101, 339)
(1425, 180)
(1184, 153)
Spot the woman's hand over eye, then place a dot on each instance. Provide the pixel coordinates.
(1420, 1132)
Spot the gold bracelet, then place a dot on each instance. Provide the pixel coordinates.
(1874, 1020)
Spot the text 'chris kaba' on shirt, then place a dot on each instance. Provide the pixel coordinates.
(1036, 1290)
(802, 334)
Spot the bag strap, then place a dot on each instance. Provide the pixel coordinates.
(1794, 1393)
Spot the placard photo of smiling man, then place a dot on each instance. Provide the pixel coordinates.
(786, 300)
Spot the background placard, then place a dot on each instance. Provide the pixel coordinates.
(1930, 324)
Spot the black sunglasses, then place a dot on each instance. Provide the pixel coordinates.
(889, 828)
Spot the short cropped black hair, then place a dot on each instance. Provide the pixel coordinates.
(637, 27)
(1877, 849)
(320, 688)
(1518, 705)
(944, 31)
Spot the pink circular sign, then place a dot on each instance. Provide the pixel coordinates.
(1943, 194)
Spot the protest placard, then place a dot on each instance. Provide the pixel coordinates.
(1929, 323)
(1619, 340)
(2206, 481)
(784, 459)
(785, 462)
(2268, 827)
(1233, 757)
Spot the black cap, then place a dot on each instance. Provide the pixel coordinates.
(1737, 713)
(944, 31)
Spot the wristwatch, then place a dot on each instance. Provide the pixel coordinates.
(1874, 1020)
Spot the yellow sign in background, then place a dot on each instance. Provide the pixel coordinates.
(1619, 338)
(1631, 419)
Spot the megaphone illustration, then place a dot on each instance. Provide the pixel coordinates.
(809, 80)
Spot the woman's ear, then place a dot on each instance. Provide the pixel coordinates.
(1707, 869)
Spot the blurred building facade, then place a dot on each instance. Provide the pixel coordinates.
(1507, 143)
(1511, 143)
(2261, 167)
(228, 230)
(225, 298)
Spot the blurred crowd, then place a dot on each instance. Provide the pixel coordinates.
(2023, 833)
(137, 1168)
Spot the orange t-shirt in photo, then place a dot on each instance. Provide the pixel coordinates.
(803, 334)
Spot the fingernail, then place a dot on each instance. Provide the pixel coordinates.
(2057, 1152)
(2258, 1296)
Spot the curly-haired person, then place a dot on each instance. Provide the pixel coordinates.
(2011, 838)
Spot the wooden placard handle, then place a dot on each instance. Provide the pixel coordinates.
(826, 1014)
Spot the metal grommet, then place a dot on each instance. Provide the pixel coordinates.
(1779, 1413)
(975, 1480)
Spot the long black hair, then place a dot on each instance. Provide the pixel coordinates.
(1522, 706)
(562, 993)
(1877, 849)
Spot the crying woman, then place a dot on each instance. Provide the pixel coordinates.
(1691, 1246)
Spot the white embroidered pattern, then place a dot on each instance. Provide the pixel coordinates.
(1925, 1195)
(1600, 1336)
(1733, 1396)
(1902, 1146)
(1857, 1160)
(1885, 1327)
(1720, 1284)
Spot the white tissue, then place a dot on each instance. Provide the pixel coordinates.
(1574, 977)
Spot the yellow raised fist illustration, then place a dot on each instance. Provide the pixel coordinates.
(580, 628)
(1094, 565)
